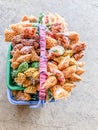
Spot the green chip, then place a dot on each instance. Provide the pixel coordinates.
(41, 15)
(22, 67)
(35, 65)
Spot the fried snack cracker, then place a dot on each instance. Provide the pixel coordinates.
(17, 28)
(80, 64)
(30, 72)
(51, 66)
(69, 71)
(59, 75)
(35, 75)
(25, 18)
(78, 47)
(20, 78)
(57, 27)
(80, 71)
(31, 89)
(78, 56)
(58, 59)
(26, 23)
(68, 86)
(75, 78)
(73, 36)
(8, 35)
(64, 63)
(27, 83)
(14, 92)
(22, 96)
(55, 52)
(34, 56)
(51, 81)
(72, 61)
(58, 92)
(24, 58)
(29, 32)
(16, 55)
(15, 65)
(50, 42)
(30, 18)
(62, 40)
(18, 47)
(17, 39)
(68, 53)
(26, 50)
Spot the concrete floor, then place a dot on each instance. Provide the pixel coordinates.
(80, 110)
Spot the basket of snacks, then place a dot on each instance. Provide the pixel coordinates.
(43, 60)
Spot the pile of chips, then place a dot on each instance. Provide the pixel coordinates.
(63, 51)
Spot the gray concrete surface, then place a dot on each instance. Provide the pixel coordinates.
(80, 110)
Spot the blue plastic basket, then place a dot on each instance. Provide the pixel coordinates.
(32, 104)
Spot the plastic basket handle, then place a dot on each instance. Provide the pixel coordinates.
(43, 62)
(42, 67)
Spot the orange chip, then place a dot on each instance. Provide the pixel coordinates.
(29, 32)
(17, 28)
(50, 42)
(58, 92)
(51, 81)
(23, 58)
(8, 35)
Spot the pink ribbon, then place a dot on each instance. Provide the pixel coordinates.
(43, 62)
